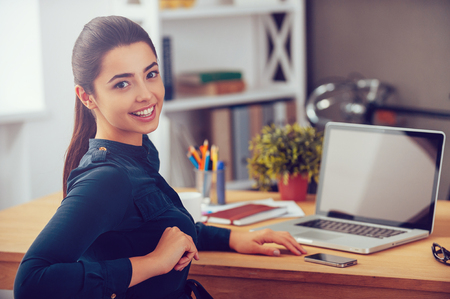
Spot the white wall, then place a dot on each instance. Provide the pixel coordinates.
(18, 96)
(32, 153)
(14, 160)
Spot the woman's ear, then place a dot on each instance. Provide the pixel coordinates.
(85, 98)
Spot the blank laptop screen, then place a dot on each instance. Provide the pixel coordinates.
(380, 175)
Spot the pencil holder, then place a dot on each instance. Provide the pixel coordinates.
(211, 184)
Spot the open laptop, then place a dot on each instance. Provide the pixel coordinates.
(378, 188)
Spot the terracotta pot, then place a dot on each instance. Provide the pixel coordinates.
(295, 189)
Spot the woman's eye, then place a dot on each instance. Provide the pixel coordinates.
(121, 85)
(152, 74)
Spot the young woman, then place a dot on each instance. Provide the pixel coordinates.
(121, 230)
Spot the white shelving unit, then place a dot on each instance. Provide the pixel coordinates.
(211, 35)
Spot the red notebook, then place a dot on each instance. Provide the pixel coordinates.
(246, 214)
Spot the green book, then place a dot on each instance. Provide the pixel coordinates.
(196, 78)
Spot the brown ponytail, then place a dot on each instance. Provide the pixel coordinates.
(98, 37)
(84, 128)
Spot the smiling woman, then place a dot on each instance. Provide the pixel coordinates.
(128, 94)
(121, 230)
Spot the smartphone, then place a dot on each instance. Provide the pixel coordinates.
(330, 260)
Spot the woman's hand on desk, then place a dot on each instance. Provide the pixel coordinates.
(252, 242)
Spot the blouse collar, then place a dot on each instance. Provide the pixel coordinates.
(115, 147)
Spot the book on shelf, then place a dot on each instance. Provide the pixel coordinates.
(174, 4)
(211, 88)
(167, 68)
(222, 136)
(256, 119)
(241, 137)
(279, 113)
(203, 77)
(291, 112)
(246, 214)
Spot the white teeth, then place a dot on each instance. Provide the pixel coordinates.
(145, 113)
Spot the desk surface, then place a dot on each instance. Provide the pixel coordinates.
(405, 271)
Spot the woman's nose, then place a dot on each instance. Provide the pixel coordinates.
(144, 93)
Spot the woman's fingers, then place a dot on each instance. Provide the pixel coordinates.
(185, 260)
(285, 239)
(176, 249)
(252, 242)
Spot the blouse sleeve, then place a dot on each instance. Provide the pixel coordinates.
(52, 267)
(212, 238)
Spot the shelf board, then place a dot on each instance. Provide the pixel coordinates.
(213, 11)
(247, 97)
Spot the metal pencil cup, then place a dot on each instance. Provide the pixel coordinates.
(211, 184)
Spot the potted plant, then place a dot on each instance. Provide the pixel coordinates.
(289, 154)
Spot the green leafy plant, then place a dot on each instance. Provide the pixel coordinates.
(282, 151)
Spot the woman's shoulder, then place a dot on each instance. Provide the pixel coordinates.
(102, 162)
(99, 176)
(108, 172)
(100, 188)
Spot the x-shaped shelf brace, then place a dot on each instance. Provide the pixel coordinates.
(279, 65)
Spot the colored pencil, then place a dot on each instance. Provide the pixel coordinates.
(203, 149)
(194, 153)
(192, 159)
(207, 158)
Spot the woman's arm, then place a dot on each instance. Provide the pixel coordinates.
(221, 239)
(52, 267)
(212, 238)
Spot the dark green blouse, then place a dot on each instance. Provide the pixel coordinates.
(117, 206)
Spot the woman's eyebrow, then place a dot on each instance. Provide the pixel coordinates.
(150, 66)
(126, 75)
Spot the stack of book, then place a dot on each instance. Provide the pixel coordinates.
(171, 4)
(246, 214)
(210, 83)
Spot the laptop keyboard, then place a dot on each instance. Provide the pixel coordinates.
(351, 228)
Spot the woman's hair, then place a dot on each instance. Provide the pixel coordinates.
(97, 38)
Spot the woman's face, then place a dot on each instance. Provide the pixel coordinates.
(129, 94)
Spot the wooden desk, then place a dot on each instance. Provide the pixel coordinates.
(408, 271)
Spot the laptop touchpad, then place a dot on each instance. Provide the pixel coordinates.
(317, 235)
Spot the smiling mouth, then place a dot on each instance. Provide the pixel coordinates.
(144, 113)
